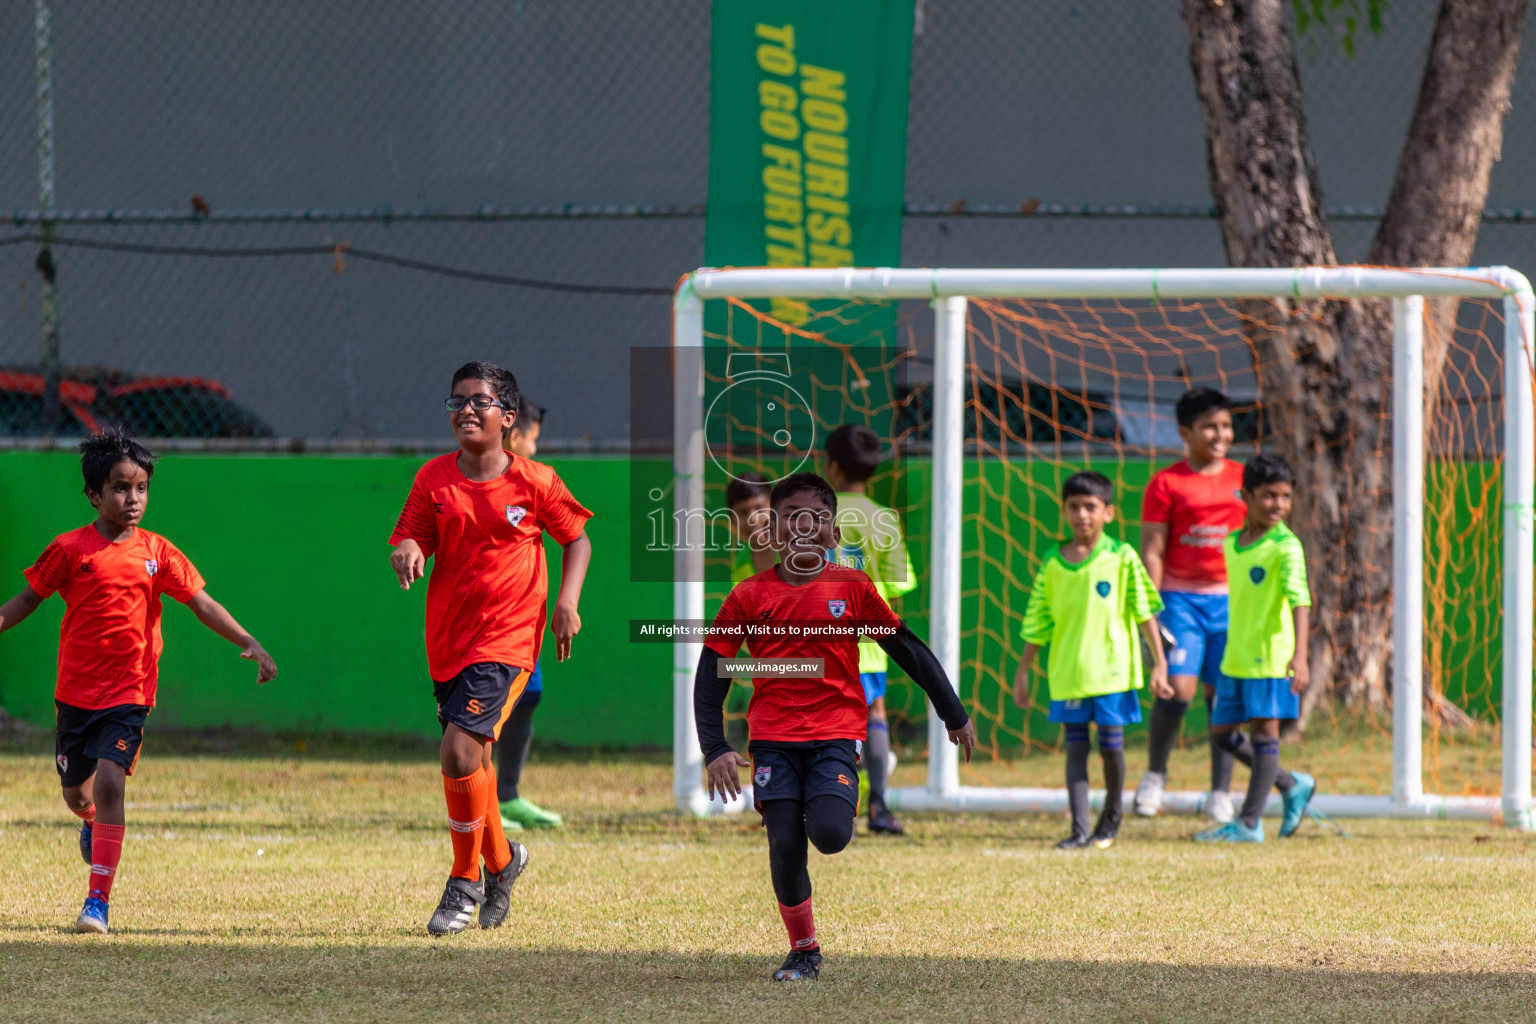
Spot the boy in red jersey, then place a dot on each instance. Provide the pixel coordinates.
(111, 575)
(1187, 512)
(481, 513)
(806, 731)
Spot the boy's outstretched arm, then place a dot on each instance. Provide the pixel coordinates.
(573, 572)
(1154, 637)
(1301, 673)
(213, 615)
(1154, 546)
(917, 661)
(709, 693)
(1021, 694)
(19, 607)
(409, 563)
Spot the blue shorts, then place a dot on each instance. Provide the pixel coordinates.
(1110, 709)
(1198, 623)
(874, 686)
(535, 681)
(1238, 700)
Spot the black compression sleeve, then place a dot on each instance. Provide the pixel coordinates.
(917, 661)
(709, 693)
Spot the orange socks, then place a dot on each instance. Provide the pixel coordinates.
(466, 818)
(88, 815)
(493, 844)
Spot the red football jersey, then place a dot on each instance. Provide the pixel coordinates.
(796, 710)
(1200, 510)
(109, 644)
(487, 590)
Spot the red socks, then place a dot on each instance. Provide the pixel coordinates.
(88, 815)
(106, 850)
(800, 925)
(493, 844)
(466, 818)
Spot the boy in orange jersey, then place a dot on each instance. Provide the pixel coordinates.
(111, 575)
(481, 512)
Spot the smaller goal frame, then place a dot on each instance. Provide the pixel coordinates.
(948, 290)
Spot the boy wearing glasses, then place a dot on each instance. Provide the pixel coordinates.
(481, 513)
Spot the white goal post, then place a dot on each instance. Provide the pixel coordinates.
(948, 290)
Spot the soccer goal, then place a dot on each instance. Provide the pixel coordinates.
(1036, 373)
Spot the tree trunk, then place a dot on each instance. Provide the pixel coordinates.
(1325, 366)
(1454, 139)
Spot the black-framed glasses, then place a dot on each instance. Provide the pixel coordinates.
(480, 402)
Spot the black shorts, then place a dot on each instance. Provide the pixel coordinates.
(85, 735)
(479, 699)
(829, 767)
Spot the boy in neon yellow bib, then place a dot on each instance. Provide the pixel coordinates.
(870, 541)
(1089, 599)
(1264, 670)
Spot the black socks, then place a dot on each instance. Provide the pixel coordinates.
(1077, 777)
(877, 752)
(1167, 719)
(1266, 769)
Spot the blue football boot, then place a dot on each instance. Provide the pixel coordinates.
(1233, 831)
(93, 916)
(1296, 799)
(85, 842)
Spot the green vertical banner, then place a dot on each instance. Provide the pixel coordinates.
(808, 134)
(807, 168)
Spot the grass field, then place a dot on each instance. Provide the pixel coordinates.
(264, 882)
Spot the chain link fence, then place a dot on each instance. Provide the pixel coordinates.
(286, 220)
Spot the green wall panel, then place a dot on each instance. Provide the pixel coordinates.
(296, 548)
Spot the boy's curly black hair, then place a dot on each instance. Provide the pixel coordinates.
(100, 453)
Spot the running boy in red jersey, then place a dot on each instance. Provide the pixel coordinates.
(1187, 512)
(481, 513)
(111, 575)
(806, 731)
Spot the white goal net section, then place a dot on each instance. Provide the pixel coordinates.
(992, 385)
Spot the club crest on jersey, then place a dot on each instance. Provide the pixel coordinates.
(63, 762)
(151, 566)
(761, 776)
(515, 514)
(1102, 588)
(837, 608)
(1256, 574)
